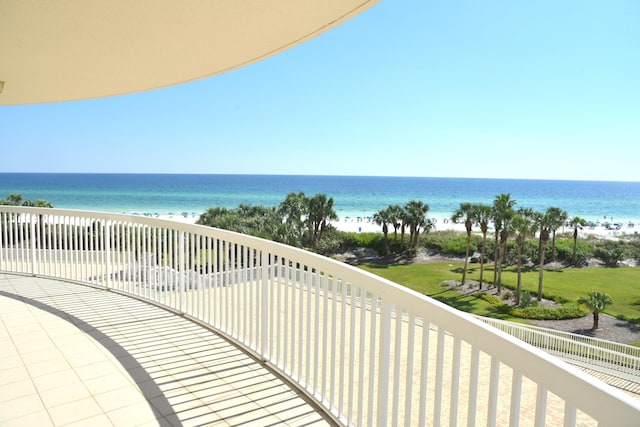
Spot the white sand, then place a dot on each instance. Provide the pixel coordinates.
(366, 226)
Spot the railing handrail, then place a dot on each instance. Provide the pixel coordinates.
(332, 329)
(612, 358)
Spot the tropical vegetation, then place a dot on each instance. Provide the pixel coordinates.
(299, 220)
(19, 200)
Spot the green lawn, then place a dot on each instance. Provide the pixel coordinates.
(623, 284)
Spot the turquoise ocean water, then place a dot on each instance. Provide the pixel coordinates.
(353, 196)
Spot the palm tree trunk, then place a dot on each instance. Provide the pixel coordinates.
(543, 249)
(575, 246)
(385, 231)
(504, 235)
(496, 257)
(484, 248)
(519, 285)
(466, 259)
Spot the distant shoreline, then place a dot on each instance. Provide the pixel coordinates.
(355, 225)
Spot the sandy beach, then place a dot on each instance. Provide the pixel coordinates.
(442, 224)
(365, 225)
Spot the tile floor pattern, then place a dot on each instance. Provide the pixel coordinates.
(72, 355)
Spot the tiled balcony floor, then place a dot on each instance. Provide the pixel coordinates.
(71, 355)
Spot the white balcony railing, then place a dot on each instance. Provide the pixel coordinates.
(368, 351)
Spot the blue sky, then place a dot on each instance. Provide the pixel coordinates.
(500, 89)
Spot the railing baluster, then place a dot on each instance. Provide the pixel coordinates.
(373, 313)
(384, 356)
(541, 406)
(516, 392)
(325, 334)
(333, 341)
(455, 382)
(409, 372)
(473, 386)
(362, 355)
(342, 347)
(283, 284)
(309, 356)
(570, 415)
(106, 251)
(424, 373)
(395, 407)
(302, 290)
(494, 383)
(316, 332)
(437, 411)
(353, 323)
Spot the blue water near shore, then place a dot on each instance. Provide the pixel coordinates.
(354, 196)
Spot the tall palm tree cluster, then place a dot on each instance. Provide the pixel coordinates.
(412, 216)
(520, 224)
(298, 221)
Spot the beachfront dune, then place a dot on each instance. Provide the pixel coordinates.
(602, 229)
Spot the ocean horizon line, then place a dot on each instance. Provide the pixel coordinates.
(353, 195)
(320, 175)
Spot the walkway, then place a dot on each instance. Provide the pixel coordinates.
(72, 355)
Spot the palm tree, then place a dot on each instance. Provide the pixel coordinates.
(523, 225)
(395, 218)
(211, 217)
(404, 222)
(557, 218)
(416, 217)
(482, 216)
(544, 223)
(13, 200)
(294, 209)
(596, 303)
(383, 218)
(320, 211)
(502, 214)
(465, 211)
(576, 222)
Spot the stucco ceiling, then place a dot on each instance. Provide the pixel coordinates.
(65, 50)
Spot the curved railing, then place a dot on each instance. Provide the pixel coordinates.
(368, 351)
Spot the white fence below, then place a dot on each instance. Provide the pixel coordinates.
(616, 359)
(366, 350)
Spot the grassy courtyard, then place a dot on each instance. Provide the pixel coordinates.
(569, 284)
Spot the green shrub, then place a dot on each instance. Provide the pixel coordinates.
(329, 243)
(571, 310)
(610, 256)
(451, 243)
(564, 251)
(526, 300)
(491, 299)
(568, 311)
(352, 240)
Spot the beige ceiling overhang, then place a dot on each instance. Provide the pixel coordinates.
(63, 50)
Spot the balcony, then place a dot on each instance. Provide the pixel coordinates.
(77, 354)
(150, 321)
